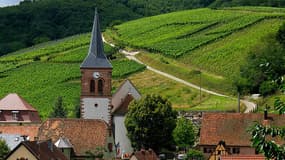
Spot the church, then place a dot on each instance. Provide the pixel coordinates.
(97, 101)
(100, 131)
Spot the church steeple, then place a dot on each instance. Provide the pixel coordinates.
(96, 79)
(96, 57)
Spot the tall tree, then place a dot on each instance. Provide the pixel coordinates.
(150, 122)
(184, 134)
(59, 111)
(4, 149)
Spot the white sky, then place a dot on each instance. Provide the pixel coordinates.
(4, 3)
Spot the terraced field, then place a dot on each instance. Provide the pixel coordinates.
(42, 73)
(202, 46)
(215, 41)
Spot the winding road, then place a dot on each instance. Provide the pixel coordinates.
(250, 106)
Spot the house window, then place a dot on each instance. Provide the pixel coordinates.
(15, 115)
(208, 150)
(100, 86)
(236, 151)
(92, 86)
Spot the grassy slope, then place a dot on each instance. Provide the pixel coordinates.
(42, 73)
(214, 41)
(182, 97)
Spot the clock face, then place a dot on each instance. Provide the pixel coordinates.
(96, 74)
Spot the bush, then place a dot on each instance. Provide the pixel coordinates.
(193, 154)
(267, 87)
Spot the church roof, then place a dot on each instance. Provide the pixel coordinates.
(96, 57)
(123, 96)
(14, 102)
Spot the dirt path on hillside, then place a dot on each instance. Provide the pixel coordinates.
(250, 106)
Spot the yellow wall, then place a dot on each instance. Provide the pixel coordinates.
(22, 151)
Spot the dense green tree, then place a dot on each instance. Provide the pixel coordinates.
(281, 35)
(59, 111)
(227, 3)
(184, 134)
(261, 136)
(264, 67)
(193, 154)
(4, 149)
(150, 122)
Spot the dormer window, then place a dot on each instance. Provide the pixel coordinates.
(15, 115)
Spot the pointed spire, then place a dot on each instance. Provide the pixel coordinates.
(96, 57)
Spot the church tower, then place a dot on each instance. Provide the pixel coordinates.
(96, 76)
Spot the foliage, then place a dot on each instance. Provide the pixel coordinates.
(98, 153)
(184, 134)
(223, 3)
(59, 111)
(264, 67)
(281, 35)
(193, 154)
(263, 137)
(150, 122)
(4, 149)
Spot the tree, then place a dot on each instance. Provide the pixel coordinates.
(262, 136)
(59, 111)
(184, 134)
(150, 122)
(4, 149)
(264, 67)
(193, 154)
(281, 35)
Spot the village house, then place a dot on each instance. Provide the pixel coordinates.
(35, 150)
(18, 117)
(79, 138)
(232, 130)
(15, 109)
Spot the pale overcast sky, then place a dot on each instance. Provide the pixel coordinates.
(4, 3)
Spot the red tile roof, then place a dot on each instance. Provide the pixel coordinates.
(243, 157)
(14, 102)
(144, 155)
(84, 135)
(41, 150)
(30, 130)
(232, 127)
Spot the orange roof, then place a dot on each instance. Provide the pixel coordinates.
(30, 130)
(83, 134)
(232, 127)
(243, 157)
(144, 155)
(14, 102)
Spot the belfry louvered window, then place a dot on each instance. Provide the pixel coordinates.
(100, 86)
(92, 86)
